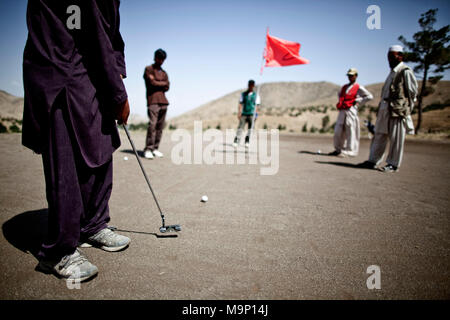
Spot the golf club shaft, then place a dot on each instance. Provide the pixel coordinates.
(143, 171)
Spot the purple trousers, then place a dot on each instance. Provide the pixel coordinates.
(77, 195)
(156, 115)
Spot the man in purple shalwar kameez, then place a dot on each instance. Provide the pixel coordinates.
(73, 66)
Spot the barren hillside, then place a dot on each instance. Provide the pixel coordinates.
(279, 95)
(10, 106)
(291, 106)
(441, 94)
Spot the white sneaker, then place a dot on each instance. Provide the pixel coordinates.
(108, 240)
(246, 145)
(73, 266)
(235, 144)
(148, 154)
(158, 154)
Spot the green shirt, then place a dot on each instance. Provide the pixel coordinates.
(249, 100)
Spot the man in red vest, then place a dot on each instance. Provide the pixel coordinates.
(346, 130)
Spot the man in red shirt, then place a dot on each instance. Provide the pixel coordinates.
(157, 83)
(346, 130)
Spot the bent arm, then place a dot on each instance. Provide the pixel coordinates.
(156, 83)
(363, 95)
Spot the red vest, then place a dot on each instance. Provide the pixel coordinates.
(346, 100)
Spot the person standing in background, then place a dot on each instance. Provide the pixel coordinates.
(157, 83)
(248, 105)
(347, 130)
(394, 113)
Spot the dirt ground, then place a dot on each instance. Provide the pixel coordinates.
(308, 232)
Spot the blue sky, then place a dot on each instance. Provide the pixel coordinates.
(214, 47)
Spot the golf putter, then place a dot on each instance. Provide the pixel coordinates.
(163, 228)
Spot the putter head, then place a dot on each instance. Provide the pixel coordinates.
(172, 228)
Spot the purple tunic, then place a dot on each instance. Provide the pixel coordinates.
(84, 64)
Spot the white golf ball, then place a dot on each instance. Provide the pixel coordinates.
(319, 152)
(204, 198)
(125, 158)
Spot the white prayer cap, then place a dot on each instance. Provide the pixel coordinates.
(396, 48)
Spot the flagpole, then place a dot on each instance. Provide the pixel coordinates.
(259, 87)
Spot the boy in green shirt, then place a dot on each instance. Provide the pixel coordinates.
(247, 103)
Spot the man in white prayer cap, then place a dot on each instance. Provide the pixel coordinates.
(394, 113)
(346, 129)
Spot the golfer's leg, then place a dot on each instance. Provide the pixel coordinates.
(397, 132)
(160, 125)
(152, 112)
(339, 137)
(249, 121)
(378, 147)
(65, 205)
(352, 133)
(239, 130)
(96, 187)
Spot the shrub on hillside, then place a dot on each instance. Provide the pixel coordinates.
(325, 122)
(3, 129)
(305, 127)
(14, 128)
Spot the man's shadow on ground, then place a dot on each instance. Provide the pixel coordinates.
(334, 163)
(314, 153)
(233, 149)
(340, 164)
(139, 152)
(224, 150)
(27, 231)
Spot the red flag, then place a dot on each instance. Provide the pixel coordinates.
(279, 52)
